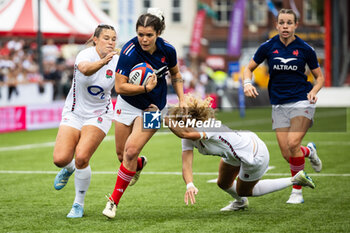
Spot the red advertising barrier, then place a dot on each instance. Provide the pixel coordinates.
(12, 119)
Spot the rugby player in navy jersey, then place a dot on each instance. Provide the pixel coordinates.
(293, 98)
(130, 137)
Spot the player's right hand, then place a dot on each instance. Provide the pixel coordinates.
(109, 57)
(152, 83)
(190, 195)
(250, 91)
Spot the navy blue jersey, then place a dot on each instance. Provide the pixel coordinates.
(132, 54)
(288, 82)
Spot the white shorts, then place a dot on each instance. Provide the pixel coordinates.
(103, 122)
(256, 170)
(283, 113)
(126, 113)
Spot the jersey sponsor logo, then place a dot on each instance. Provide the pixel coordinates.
(284, 67)
(275, 52)
(109, 73)
(151, 120)
(296, 52)
(119, 111)
(99, 120)
(285, 60)
(96, 90)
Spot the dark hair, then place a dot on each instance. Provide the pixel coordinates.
(97, 32)
(148, 19)
(288, 11)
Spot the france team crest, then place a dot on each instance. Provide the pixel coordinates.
(151, 120)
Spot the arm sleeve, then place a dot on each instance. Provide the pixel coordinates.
(311, 59)
(186, 144)
(83, 55)
(125, 62)
(260, 54)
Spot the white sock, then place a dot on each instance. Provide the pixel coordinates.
(70, 166)
(82, 182)
(299, 191)
(270, 185)
(232, 191)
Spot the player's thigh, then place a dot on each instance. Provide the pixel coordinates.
(299, 127)
(138, 138)
(227, 174)
(121, 132)
(66, 142)
(91, 137)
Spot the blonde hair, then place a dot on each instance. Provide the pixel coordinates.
(197, 108)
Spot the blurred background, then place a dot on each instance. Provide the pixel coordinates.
(214, 39)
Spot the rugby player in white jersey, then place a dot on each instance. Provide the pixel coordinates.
(244, 155)
(87, 114)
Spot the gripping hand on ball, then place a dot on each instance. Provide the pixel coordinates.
(152, 83)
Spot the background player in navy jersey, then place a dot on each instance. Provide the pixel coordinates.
(244, 155)
(87, 114)
(130, 137)
(292, 97)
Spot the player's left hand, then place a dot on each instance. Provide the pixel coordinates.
(190, 195)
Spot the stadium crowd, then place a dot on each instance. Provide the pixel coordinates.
(19, 65)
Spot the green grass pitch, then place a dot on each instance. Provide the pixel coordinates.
(29, 203)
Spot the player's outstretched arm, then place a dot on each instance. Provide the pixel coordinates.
(187, 174)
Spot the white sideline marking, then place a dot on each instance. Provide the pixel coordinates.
(166, 173)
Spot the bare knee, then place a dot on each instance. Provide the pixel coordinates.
(61, 160)
(131, 153)
(81, 162)
(294, 146)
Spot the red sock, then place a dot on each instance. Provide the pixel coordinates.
(123, 180)
(305, 150)
(139, 164)
(296, 164)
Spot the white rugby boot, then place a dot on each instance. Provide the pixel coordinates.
(315, 161)
(237, 205)
(110, 209)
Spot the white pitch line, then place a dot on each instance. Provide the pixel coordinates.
(51, 144)
(168, 173)
(110, 138)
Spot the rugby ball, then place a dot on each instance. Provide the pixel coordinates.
(140, 74)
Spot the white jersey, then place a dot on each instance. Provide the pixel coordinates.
(90, 96)
(241, 146)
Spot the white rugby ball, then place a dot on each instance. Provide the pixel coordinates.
(140, 74)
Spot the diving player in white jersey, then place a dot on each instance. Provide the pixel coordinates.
(293, 98)
(243, 154)
(87, 114)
